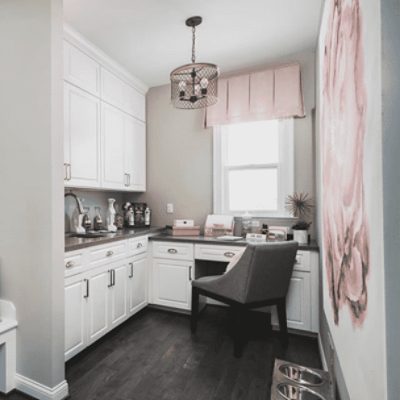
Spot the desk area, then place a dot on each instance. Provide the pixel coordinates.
(177, 260)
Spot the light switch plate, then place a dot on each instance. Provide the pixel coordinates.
(170, 208)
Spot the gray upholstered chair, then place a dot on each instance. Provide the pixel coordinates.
(260, 278)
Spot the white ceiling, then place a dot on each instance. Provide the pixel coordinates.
(150, 38)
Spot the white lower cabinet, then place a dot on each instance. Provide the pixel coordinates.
(298, 301)
(118, 294)
(137, 283)
(98, 304)
(75, 315)
(172, 283)
(99, 298)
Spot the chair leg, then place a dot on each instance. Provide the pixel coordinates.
(195, 309)
(281, 308)
(238, 333)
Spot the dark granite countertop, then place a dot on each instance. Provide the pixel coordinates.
(74, 243)
(202, 239)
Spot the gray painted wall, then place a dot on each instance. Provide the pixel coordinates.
(179, 152)
(31, 176)
(390, 12)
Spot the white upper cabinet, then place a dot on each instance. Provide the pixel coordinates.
(135, 153)
(104, 121)
(81, 138)
(118, 93)
(113, 140)
(135, 103)
(81, 70)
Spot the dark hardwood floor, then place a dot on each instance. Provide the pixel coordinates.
(154, 357)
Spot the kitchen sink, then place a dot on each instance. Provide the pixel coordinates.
(88, 235)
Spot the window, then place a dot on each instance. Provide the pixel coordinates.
(253, 167)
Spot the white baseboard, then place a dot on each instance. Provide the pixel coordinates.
(39, 391)
(322, 353)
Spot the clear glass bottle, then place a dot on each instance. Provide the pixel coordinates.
(97, 221)
(246, 223)
(86, 221)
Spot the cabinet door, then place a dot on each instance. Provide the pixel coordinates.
(135, 103)
(118, 295)
(135, 153)
(81, 138)
(171, 283)
(298, 301)
(75, 306)
(113, 176)
(137, 284)
(98, 303)
(81, 70)
(113, 89)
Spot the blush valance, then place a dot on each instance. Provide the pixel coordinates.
(270, 94)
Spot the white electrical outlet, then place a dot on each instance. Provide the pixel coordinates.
(170, 208)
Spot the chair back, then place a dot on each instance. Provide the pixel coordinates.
(263, 272)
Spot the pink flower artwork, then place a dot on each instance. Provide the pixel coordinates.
(343, 113)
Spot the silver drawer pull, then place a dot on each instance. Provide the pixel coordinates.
(109, 253)
(172, 251)
(69, 264)
(139, 245)
(229, 254)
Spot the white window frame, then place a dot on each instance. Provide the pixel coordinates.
(285, 172)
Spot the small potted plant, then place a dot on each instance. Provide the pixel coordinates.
(300, 206)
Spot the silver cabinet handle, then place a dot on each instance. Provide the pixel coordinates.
(229, 254)
(139, 245)
(131, 274)
(190, 273)
(129, 179)
(65, 171)
(110, 271)
(172, 251)
(69, 175)
(109, 253)
(69, 264)
(87, 288)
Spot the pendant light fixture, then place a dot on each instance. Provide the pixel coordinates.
(194, 85)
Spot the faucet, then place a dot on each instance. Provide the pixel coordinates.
(78, 201)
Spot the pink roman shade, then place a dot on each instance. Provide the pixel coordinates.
(270, 94)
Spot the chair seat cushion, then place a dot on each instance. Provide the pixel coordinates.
(203, 282)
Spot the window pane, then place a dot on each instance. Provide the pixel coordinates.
(253, 143)
(253, 190)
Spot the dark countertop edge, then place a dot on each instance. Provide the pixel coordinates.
(73, 243)
(312, 246)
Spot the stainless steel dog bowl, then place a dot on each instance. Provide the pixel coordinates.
(301, 375)
(295, 392)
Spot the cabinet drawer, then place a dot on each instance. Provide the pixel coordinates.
(173, 250)
(107, 253)
(74, 262)
(137, 245)
(216, 252)
(302, 261)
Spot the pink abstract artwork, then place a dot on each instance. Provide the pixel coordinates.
(343, 113)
